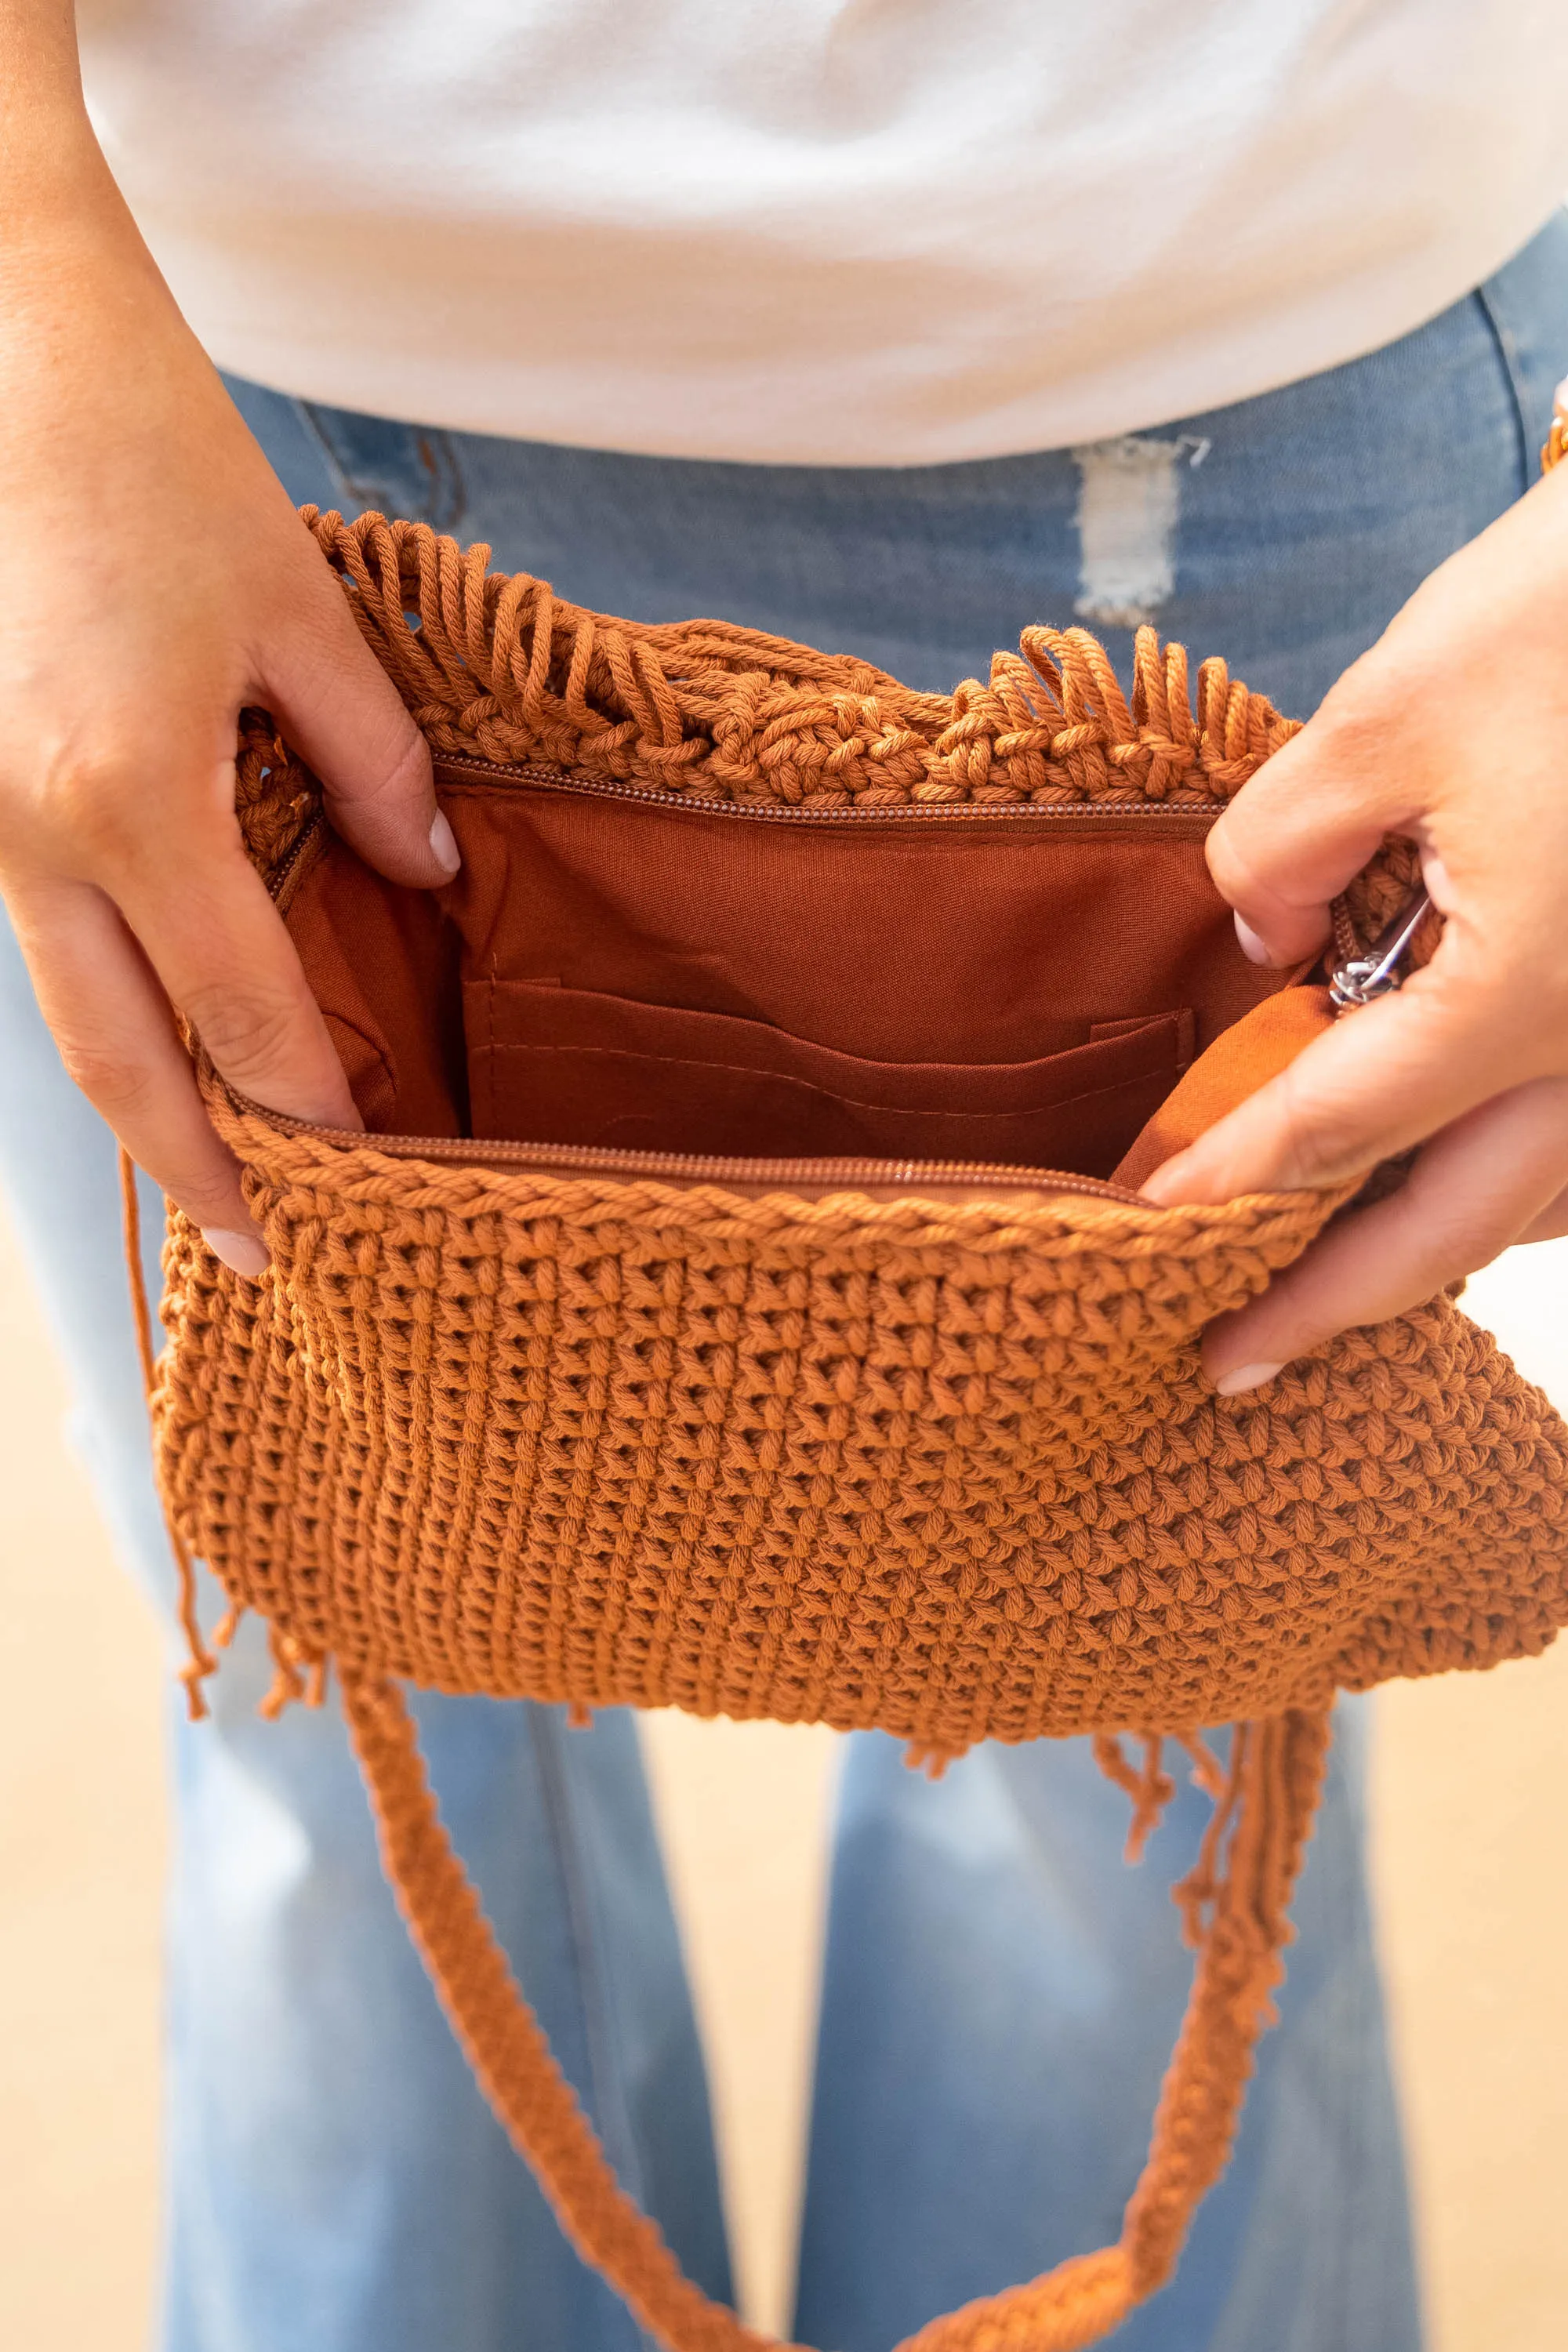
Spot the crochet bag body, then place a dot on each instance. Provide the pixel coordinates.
(741, 1300)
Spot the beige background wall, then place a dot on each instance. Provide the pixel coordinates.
(1471, 1849)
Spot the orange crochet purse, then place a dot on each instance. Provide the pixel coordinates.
(741, 1300)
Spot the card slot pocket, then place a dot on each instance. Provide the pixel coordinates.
(553, 1064)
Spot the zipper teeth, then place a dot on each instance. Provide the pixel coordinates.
(457, 765)
(560, 779)
(280, 873)
(688, 1167)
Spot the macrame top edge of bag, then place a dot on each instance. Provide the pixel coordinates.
(501, 668)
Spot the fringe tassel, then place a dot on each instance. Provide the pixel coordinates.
(227, 1627)
(201, 1662)
(1149, 1791)
(1196, 1895)
(1208, 1772)
(504, 666)
(289, 1684)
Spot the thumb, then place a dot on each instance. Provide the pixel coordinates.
(1366, 1090)
(343, 712)
(1293, 838)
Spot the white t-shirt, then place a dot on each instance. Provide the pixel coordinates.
(824, 231)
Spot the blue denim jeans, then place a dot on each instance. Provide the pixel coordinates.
(1000, 1993)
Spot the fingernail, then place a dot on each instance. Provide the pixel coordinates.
(444, 845)
(245, 1252)
(1253, 948)
(1163, 1185)
(1246, 1376)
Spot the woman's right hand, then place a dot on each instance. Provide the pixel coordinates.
(153, 578)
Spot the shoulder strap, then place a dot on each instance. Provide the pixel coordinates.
(1235, 1903)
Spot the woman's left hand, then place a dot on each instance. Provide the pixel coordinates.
(1452, 732)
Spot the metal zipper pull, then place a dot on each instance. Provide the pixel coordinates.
(1361, 979)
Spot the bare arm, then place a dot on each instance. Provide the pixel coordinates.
(1452, 732)
(154, 577)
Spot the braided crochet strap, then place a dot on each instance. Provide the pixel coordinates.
(506, 2046)
(1235, 1901)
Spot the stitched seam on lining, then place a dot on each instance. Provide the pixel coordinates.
(825, 1093)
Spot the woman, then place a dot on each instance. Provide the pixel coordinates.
(892, 327)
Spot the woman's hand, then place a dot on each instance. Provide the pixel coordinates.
(1452, 732)
(154, 577)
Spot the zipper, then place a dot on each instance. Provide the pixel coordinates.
(825, 1175)
(462, 767)
(277, 881)
(690, 1167)
(1183, 817)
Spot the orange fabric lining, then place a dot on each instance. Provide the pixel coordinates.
(1261, 1045)
(679, 979)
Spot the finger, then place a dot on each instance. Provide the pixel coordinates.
(224, 959)
(117, 1038)
(1379, 1081)
(337, 704)
(1476, 1188)
(1552, 1223)
(1295, 835)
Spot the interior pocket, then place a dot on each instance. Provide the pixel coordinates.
(553, 1065)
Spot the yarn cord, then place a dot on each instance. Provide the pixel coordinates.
(1268, 1805)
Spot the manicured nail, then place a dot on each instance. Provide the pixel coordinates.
(1246, 1376)
(245, 1253)
(1253, 948)
(1164, 1185)
(444, 844)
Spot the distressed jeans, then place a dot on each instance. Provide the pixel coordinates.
(1000, 1993)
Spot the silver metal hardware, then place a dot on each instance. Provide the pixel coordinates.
(1361, 979)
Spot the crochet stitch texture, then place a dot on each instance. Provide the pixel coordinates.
(947, 1468)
